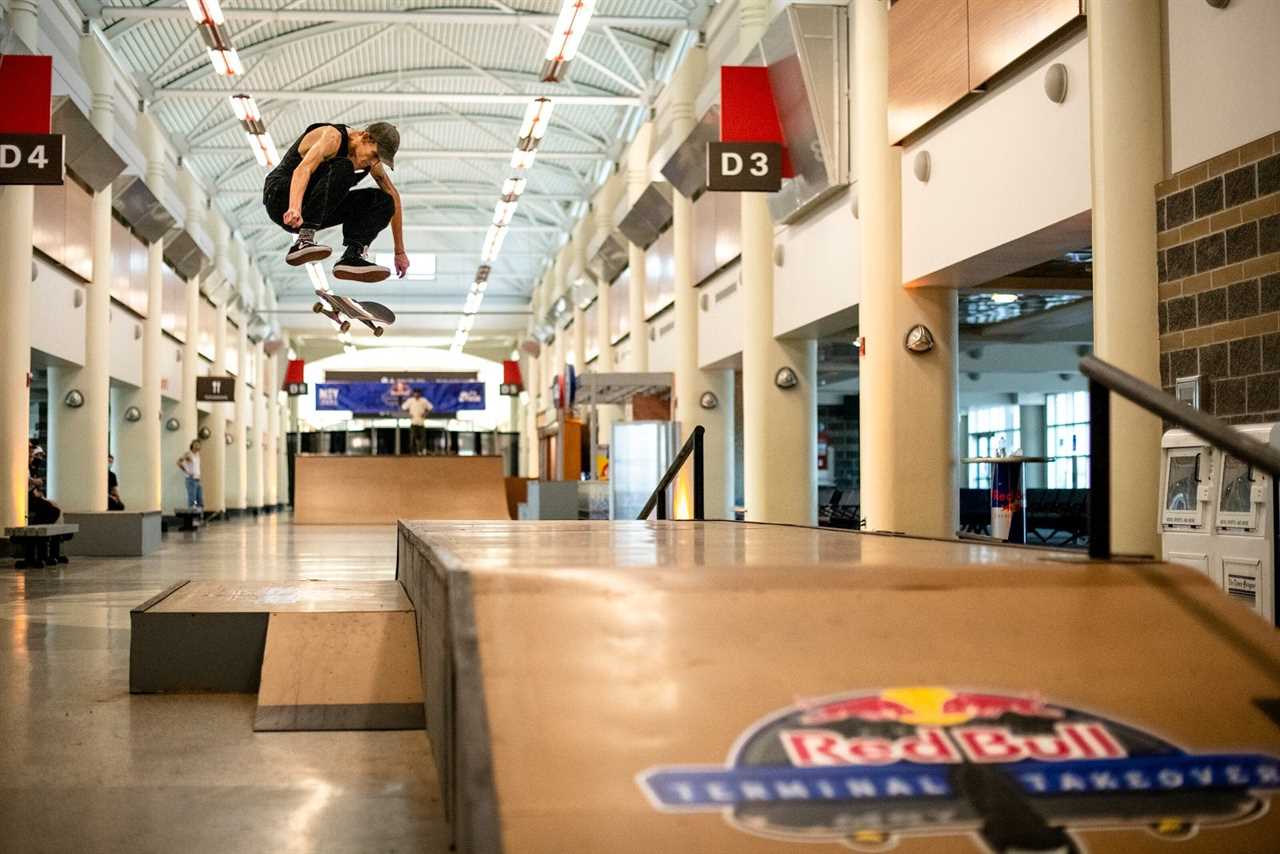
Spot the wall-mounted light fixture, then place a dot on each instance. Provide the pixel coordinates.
(74, 399)
(1055, 83)
(172, 425)
(133, 414)
(919, 339)
(922, 166)
(204, 433)
(228, 439)
(708, 400)
(248, 443)
(785, 378)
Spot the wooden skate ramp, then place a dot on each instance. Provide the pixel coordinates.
(340, 671)
(338, 490)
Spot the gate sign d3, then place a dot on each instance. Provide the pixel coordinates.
(31, 158)
(744, 167)
(216, 389)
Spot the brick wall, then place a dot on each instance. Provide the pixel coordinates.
(1219, 264)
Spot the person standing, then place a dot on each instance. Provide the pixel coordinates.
(190, 465)
(418, 408)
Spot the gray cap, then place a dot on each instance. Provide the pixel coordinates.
(388, 140)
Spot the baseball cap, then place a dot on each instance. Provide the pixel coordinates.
(387, 138)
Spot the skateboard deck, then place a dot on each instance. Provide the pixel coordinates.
(342, 310)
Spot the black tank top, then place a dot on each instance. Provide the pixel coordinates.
(293, 158)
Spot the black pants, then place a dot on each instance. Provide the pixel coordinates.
(329, 201)
(418, 438)
(41, 511)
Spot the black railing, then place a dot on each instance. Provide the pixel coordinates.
(658, 500)
(1105, 378)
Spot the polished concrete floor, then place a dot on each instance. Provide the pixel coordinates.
(85, 766)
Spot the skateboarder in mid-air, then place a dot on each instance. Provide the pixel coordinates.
(310, 189)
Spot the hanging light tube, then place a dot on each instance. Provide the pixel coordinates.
(503, 212)
(222, 55)
(493, 243)
(534, 125)
(566, 36)
(206, 11)
(512, 188)
(523, 159)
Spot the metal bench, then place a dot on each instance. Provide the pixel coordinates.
(41, 544)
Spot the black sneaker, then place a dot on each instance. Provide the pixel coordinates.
(355, 267)
(305, 250)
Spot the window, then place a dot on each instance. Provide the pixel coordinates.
(1067, 420)
(993, 430)
(422, 265)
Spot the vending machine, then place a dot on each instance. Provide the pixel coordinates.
(1218, 515)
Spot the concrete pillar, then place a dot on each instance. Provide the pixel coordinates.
(238, 460)
(531, 419)
(1031, 421)
(282, 456)
(213, 457)
(637, 180)
(907, 401)
(1126, 133)
(16, 213)
(780, 444)
(78, 457)
(257, 451)
(271, 455)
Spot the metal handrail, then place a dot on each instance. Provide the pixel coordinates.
(1105, 378)
(658, 500)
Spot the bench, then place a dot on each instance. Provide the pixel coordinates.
(192, 519)
(41, 544)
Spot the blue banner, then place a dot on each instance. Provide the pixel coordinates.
(385, 398)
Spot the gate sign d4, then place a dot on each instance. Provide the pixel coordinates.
(31, 158)
(744, 167)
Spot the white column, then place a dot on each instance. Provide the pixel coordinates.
(78, 459)
(214, 452)
(238, 460)
(257, 453)
(17, 216)
(531, 417)
(637, 180)
(907, 401)
(271, 455)
(1126, 132)
(780, 443)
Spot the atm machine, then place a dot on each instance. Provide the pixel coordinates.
(1219, 515)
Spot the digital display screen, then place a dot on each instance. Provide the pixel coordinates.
(1184, 478)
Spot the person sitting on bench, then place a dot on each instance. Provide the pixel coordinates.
(40, 510)
(114, 502)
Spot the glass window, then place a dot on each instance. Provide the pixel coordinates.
(1067, 420)
(993, 431)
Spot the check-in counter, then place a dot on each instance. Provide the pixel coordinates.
(372, 490)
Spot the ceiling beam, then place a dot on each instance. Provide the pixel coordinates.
(408, 97)
(426, 16)
(435, 154)
(415, 196)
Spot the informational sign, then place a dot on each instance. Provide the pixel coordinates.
(387, 398)
(744, 167)
(509, 390)
(296, 389)
(31, 158)
(216, 389)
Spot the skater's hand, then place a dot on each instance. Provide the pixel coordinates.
(293, 218)
(402, 263)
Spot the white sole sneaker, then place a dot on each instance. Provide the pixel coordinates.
(360, 272)
(308, 254)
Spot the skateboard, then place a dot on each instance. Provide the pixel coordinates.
(342, 310)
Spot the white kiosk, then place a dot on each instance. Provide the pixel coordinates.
(1219, 515)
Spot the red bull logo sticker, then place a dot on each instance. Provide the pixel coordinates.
(1013, 771)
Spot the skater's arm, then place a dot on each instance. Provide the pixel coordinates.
(397, 219)
(314, 152)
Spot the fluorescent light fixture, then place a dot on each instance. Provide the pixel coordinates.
(512, 188)
(472, 305)
(493, 243)
(246, 108)
(523, 159)
(465, 324)
(503, 213)
(316, 274)
(422, 265)
(1004, 299)
(566, 36)
(225, 61)
(206, 10)
(534, 125)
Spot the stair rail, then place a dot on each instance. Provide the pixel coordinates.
(658, 500)
(1105, 378)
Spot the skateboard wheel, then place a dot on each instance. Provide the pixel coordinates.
(345, 326)
(377, 332)
(317, 308)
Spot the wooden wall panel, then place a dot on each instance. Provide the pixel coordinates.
(728, 228)
(50, 232)
(928, 61)
(704, 237)
(380, 490)
(1000, 31)
(620, 306)
(138, 276)
(173, 301)
(78, 253)
(660, 274)
(119, 262)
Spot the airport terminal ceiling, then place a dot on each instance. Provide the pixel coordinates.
(456, 77)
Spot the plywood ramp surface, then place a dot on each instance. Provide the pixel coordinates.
(334, 490)
(283, 596)
(326, 671)
(590, 682)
